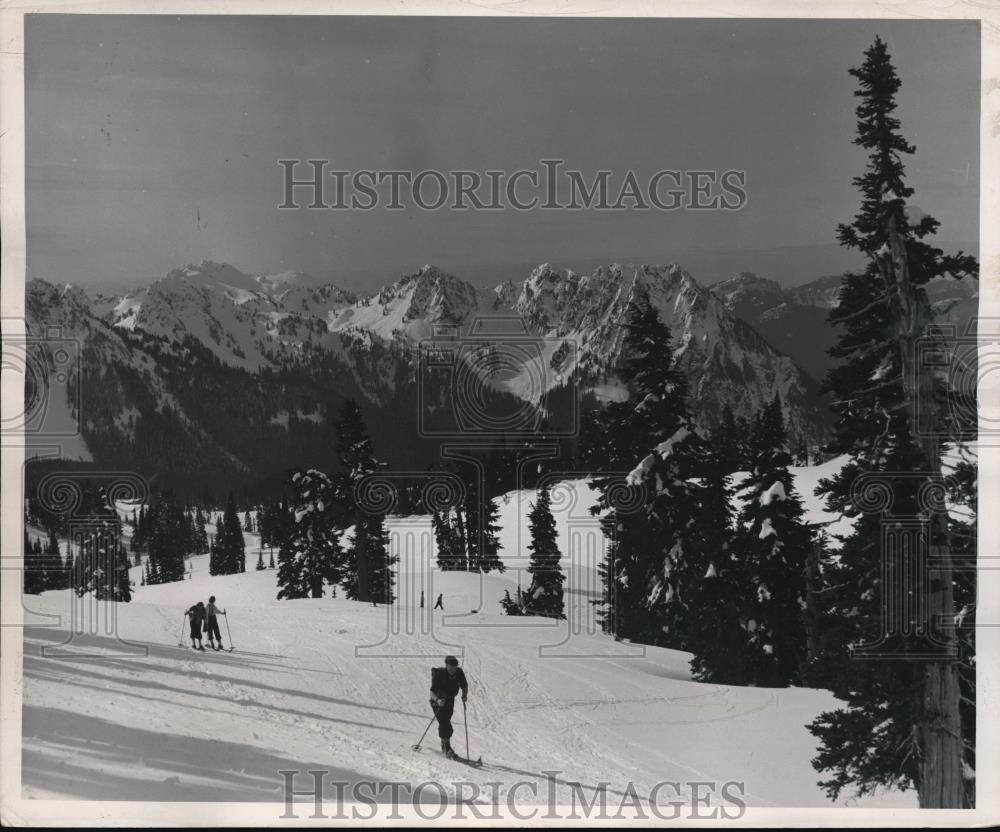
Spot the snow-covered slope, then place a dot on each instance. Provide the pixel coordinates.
(411, 307)
(336, 685)
(247, 321)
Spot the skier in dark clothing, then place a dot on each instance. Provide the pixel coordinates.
(197, 614)
(439, 604)
(446, 682)
(213, 623)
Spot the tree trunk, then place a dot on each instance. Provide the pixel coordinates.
(463, 540)
(939, 728)
(361, 558)
(941, 783)
(812, 610)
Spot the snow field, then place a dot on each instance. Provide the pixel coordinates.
(124, 713)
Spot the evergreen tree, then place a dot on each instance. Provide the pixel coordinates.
(901, 724)
(215, 562)
(229, 552)
(715, 637)
(512, 606)
(247, 522)
(368, 572)
(370, 545)
(654, 545)
(310, 554)
(545, 595)
(773, 546)
(260, 560)
(101, 565)
(167, 539)
(34, 569)
(200, 535)
(58, 572)
(483, 535)
(450, 555)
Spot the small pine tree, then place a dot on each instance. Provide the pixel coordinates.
(545, 595)
(714, 635)
(200, 535)
(488, 551)
(310, 554)
(234, 555)
(773, 546)
(367, 575)
(58, 574)
(34, 569)
(370, 551)
(450, 557)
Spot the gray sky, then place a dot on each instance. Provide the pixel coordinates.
(153, 141)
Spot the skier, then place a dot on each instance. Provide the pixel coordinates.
(439, 604)
(446, 682)
(213, 624)
(197, 614)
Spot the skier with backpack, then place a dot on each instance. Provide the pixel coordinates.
(213, 624)
(446, 682)
(197, 615)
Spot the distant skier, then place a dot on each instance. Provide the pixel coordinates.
(439, 604)
(446, 682)
(421, 599)
(213, 624)
(197, 614)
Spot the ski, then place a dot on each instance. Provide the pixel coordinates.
(456, 757)
(465, 760)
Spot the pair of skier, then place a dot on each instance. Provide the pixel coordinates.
(446, 682)
(207, 618)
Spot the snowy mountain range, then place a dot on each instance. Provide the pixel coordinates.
(228, 362)
(795, 319)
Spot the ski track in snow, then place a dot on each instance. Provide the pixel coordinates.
(170, 723)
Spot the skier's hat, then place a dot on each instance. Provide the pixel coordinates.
(450, 660)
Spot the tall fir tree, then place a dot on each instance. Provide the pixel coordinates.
(901, 724)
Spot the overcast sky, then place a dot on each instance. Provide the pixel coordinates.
(153, 141)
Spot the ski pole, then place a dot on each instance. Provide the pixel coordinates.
(180, 638)
(428, 728)
(229, 633)
(465, 720)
